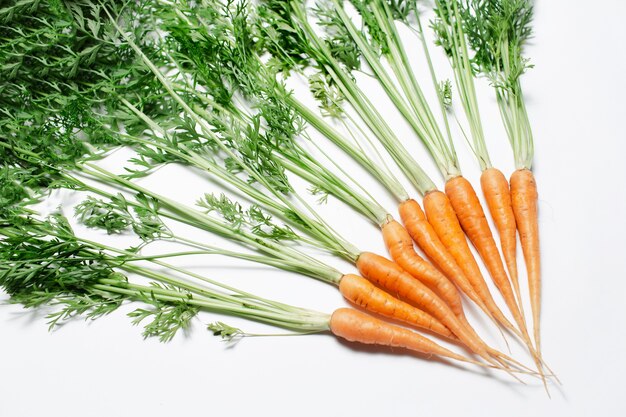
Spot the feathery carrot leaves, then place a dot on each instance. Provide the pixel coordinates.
(497, 32)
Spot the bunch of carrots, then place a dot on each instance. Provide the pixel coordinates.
(204, 85)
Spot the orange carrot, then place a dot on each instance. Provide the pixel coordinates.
(400, 246)
(390, 276)
(355, 326)
(524, 200)
(366, 295)
(498, 196)
(423, 233)
(473, 221)
(442, 217)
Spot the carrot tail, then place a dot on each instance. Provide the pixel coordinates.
(520, 366)
(524, 200)
(442, 217)
(473, 221)
(498, 196)
(366, 295)
(390, 276)
(356, 326)
(400, 246)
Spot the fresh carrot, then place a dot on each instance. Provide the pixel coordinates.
(473, 221)
(500, 31)
(442, 217)
(498, 196)
(524, 200)
(393, 278)
(400, 246)
(472, 218)
(366, 295)
(355, 326)
(423, 233)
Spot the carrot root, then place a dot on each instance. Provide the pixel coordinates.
(443, 219)
(356, 326)
(498, 197)
(400, 246)
(393, 278)
(524, 201)
(364, 294)
(473, 221)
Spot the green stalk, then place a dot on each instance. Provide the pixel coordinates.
(323, 231)
(239, 301)
(293, 321)
(414, 107)
(464, 78)
(386, 179)
(193, 217)
(364, 108)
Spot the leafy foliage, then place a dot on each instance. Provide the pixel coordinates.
(253, 219)
(445, 92)
(339, 41)
(60, 271)
(166, 319)
(497, 31)
(287, 43)
(64, 273)
(64, 65)
(115, 216)
(225, 331)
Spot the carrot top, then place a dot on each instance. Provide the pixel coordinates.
(497, 31)
(288, 20)
(450, 36)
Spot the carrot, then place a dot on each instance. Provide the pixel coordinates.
(423, 233)
(524, 201)
(364, 294)
(400, 246)
(498, 196)
(443, 219)
(355, 326)
(473, 221)
(393, 278)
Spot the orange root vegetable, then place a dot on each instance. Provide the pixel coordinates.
(524, 201)
(356, 326)
(443, 219)
(366, 295)
(394, 279)
(400, 246)
(498, 196)
(423, 233)
(472, 218)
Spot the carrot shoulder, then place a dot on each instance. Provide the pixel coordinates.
(524, 200)
(400, 246)
(366, 295)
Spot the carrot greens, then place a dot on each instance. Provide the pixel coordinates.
(497, 31)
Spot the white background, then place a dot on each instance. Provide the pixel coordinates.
(576, 105)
